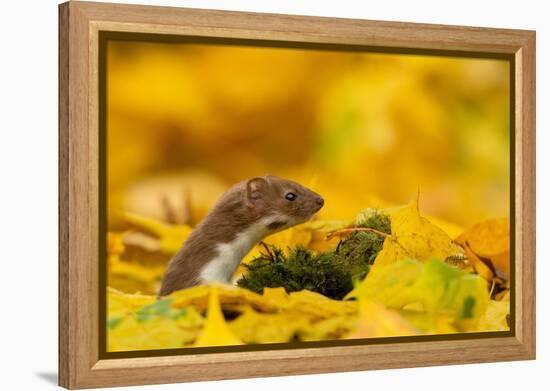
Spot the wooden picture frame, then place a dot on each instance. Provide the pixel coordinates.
(80, 24)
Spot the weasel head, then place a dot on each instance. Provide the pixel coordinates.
(282, 203)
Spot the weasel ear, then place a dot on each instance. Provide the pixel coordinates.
(254, 188)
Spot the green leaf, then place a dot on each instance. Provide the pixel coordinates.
(112, 323)
(433, 287)
(159, 308)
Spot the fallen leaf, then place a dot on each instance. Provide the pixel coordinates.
(317, 306)
(115, 244)
(199, 296)
(415, 237)
(120, 303)
(320, 230)
(133, 277)
(157, 334)
(487, 245)
(140, 322)
(438, 288)
(255, 327)
(375, 320)
(329, 329)
(170, 237)
(386, 283)
(216, 332)
(495, 318)
(399, 296)
(430, 323)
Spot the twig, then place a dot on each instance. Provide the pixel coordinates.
(266, 247)
(355, 229)
(492, 288)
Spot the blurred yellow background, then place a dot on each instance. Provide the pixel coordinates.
(186, 121)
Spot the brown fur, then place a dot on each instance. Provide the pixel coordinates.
(242, 205)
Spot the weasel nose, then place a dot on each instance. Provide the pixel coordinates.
(320, 201)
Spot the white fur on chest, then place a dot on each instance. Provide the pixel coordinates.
(222, 267)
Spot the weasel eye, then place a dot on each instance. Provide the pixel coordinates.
(291, 196)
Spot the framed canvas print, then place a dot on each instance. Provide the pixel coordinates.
(251, 195)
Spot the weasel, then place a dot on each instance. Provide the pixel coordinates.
(244, 215)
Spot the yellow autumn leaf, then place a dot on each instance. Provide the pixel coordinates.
(430, 323)
(316, 306)
(495, 318)
(307, 314)
(402, 297)
(115, 244)
(228, 295)
(160, 333)
(170, 237)
(128, 276)
(255, 327)
(413, 236)
(375, 320)
(308, 302)
(216, 332)
(321, 229)
(278, 295)
(120, 303)
(327, 318)
(329, 329)
(133, 277)
(137, 322)
(386, 282)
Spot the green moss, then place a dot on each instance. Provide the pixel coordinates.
(301, 269)
(330, 273)
(378, 221)
(361, 248)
